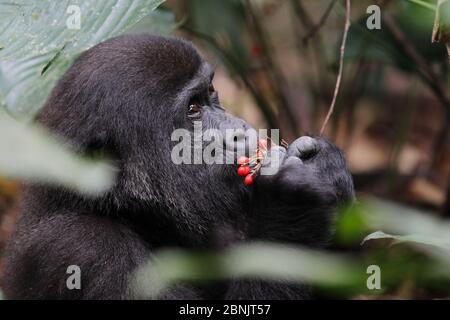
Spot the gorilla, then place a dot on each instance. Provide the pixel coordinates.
(123, 98)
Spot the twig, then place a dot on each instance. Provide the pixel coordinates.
(341, 65)
(320, 24)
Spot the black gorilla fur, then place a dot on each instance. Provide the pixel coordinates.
(125, 97)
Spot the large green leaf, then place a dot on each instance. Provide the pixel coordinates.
(30, 153)
(31, 27)
(38, 46)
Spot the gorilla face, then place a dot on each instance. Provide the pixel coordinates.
(125, 97)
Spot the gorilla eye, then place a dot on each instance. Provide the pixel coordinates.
(194, 110)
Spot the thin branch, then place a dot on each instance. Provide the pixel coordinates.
(320, 24)
(341, 65)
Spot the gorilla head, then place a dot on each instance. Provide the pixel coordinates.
(124, 98)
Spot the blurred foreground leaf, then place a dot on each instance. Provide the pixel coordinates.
(37, 46)
(30, 153)
(257, 260)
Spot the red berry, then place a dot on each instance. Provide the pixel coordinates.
(243, 171)
(243, 161)
(262, 143)
(248, 181)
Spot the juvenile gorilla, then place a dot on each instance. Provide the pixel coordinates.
(124, 97)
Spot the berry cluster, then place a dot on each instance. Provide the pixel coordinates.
(249, 167)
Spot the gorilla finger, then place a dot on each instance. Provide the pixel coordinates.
(293, 161)
(304, 147)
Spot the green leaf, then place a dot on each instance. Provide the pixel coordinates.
(403, 224)
(159, 22)
(415, 238)
(23, 85)
(30, 153)
(38, 46)
(40, 27)
(377, 235)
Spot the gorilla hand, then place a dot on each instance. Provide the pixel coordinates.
(299, 190)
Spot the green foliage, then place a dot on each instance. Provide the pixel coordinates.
(418, 260)
(37, 46)
(351, 225)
